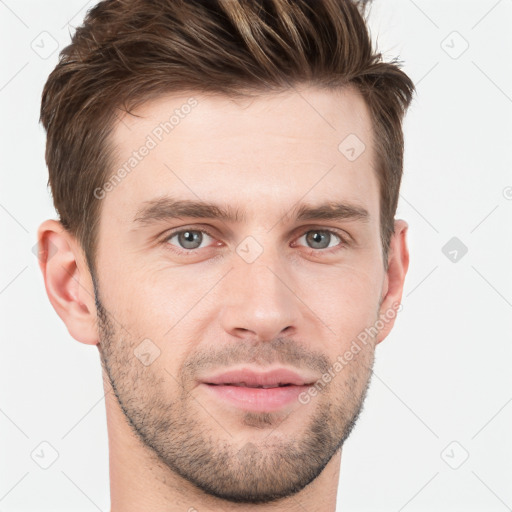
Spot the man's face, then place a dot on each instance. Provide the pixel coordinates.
(184, 300)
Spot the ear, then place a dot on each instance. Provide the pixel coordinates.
(398, 263)
(67, 280)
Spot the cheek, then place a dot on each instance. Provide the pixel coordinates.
(347, 300)
(167, 306)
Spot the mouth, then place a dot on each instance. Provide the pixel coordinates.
(245, 385)
(251, 390)
(252, 378)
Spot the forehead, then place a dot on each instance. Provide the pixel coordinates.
(262, 152)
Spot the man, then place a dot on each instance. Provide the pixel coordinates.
(226, 175)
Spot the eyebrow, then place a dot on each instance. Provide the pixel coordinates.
(167, 208)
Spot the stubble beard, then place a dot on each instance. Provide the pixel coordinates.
(174, 428)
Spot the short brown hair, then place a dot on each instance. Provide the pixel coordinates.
(129, 51)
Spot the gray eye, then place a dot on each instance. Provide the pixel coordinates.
(319, 239)
(188, 239)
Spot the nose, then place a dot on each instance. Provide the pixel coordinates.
(259, 303)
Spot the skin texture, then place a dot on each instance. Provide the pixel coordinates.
(297, 305)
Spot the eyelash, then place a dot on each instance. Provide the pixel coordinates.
(189, 252)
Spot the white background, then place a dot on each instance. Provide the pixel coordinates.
(442, 389)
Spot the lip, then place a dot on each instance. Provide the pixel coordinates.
(238, 387)
(254, 378)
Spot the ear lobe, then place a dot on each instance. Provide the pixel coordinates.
(67, 281)
(398, 264)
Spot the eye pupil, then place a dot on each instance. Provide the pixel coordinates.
(316, 238)
(190, 239)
